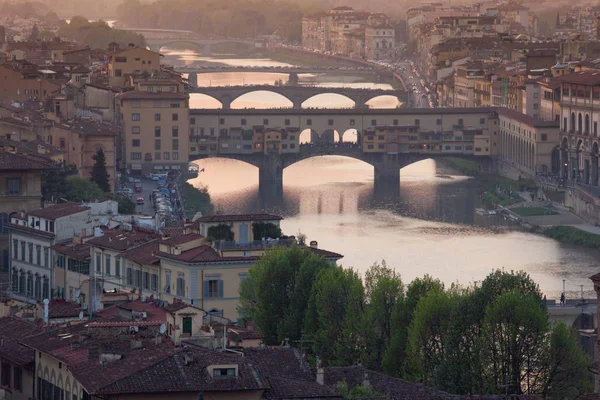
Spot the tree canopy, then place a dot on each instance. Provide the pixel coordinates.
(100, 175)
(83, 190)
(97, 34)
(489, 339)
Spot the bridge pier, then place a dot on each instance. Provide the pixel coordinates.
(206, 50)
(270, 176)
(386, 179)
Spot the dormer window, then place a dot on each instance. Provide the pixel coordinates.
(223, 372)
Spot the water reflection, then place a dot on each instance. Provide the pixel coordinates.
(428, 226)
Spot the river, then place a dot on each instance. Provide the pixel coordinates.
(429, 227)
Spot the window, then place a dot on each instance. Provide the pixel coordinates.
(166, 155)
(330, 122)
(175, 117)
(118, 72)
(154, 283)
(536, 95)
(175, 144)
(157, 131)
(438, 121)
(135, 117)
(287, 122)
(146, 280)
(18, 379)
(129, 276)
(107, 264)
(352, 122)
(136, 156)
(13, 186)
(46, 256)
(243, 122)
(120, 59)
(460, 121)
(223, 372)
(180, 284)
(482, 121)
(265, 121)
(417, 122)
(544, 136)
(213, 288)
(135, 130)
(222, 121)
(99, 263)
(167, 288)
(38, 253)
(192, 121)
(135, 143)
(175, 155)
(30, 249)
(157, 144)
(15, 249)
(309, 122)
(157, 117)
(595, 127)
(62, 143)
(23, 251)
(157, 155)
(175, 131)
(150, 89)
(175, 105)
(373, 122)
(6, 374)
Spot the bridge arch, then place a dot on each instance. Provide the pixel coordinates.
(196, 98)
(380, 101)
(278, 94)
(306, 102)
(157, 47)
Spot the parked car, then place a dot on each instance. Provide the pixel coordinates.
(139, 201)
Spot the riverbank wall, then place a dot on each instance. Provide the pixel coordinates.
(583, 205)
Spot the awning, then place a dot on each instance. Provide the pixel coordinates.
(136, 166)
(175, 167)
(158, 167)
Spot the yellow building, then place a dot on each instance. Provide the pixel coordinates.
(134, 60)
(155, 130)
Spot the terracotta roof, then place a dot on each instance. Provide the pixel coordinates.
(581, 78)
(86, 48)
(246, 333)
(91, 128)
(174, 307)
(122, 324)
(59, 308)
(23, 162)
(325, 253)
(144, 254)
(198, 254)
(175, 374)
(526, 119)
(27, 229)
(180, 239)
(143, 95)
(287, 372)
(58, 211)
(79, 252)
(122, 240)
(12, 329)
(240, 217)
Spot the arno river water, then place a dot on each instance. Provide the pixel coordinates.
(430, 227)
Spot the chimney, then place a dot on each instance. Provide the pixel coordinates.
(314, 244)
(321, 376)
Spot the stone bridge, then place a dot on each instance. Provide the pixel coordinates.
(206, 69)
(386, 167)
(204, 44)
(297, 94)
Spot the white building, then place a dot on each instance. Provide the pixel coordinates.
(31, 237)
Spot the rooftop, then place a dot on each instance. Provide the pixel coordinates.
(143, 254)
(58, 211)
(122, 240)
(526, 119)
(144, 95)
(590, 78)
(23, 162)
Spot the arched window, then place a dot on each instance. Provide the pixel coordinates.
(579, 123)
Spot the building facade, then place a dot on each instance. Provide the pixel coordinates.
(155, 131)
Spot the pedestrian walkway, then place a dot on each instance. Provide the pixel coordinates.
(588, 228)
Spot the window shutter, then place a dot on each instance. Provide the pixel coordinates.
(205, 291)
(220, 288)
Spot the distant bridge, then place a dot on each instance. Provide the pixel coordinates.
(297, 94)
(204, 44)
(278, 70)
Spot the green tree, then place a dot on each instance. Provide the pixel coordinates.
(512, 343)
(262, 230)
(383, 292)
(276, 291)
(82, 189)
(220, 232)
(395, 356)
(567, 375)
(126, 206)
(54, 183)
(100, 175)
(333, 316)
(35, 33)
(427, 335)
